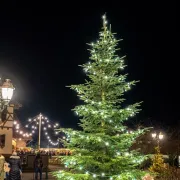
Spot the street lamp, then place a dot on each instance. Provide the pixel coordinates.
(6, 93)
(157, 137)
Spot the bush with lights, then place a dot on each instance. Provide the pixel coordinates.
(158, 166)
(102, 149)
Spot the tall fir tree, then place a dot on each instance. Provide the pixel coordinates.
(102, 149)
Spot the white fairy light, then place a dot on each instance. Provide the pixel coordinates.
(45, 122)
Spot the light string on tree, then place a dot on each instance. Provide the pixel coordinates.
(110, 115)
(111, 177)
(128, 155)
(46, 125)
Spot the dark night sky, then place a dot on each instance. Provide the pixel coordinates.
(41, 46)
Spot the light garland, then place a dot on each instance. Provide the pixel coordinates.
(46, 124)
(19, 130)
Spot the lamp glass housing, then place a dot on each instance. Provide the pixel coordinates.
(161, 136)
(153, 135)
(7, 90)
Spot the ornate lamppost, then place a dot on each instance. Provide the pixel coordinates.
(6, 93)
(158, 137)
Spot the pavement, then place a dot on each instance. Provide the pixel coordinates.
(30, 175)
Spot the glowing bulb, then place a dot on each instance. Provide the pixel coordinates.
(161, 136)
(154, 135)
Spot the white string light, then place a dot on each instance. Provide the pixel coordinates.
(46, 124)
(19, 130)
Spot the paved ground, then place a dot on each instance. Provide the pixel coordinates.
(30, 176)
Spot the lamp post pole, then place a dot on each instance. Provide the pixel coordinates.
(39, 143)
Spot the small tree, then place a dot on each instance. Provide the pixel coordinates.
(102, 149)
(158, 166)
(157, 162)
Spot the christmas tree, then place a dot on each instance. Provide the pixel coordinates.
(102, 149)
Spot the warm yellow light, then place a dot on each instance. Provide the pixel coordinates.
(153, 135)
(161, 136)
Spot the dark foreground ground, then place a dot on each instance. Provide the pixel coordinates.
(30, 176)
